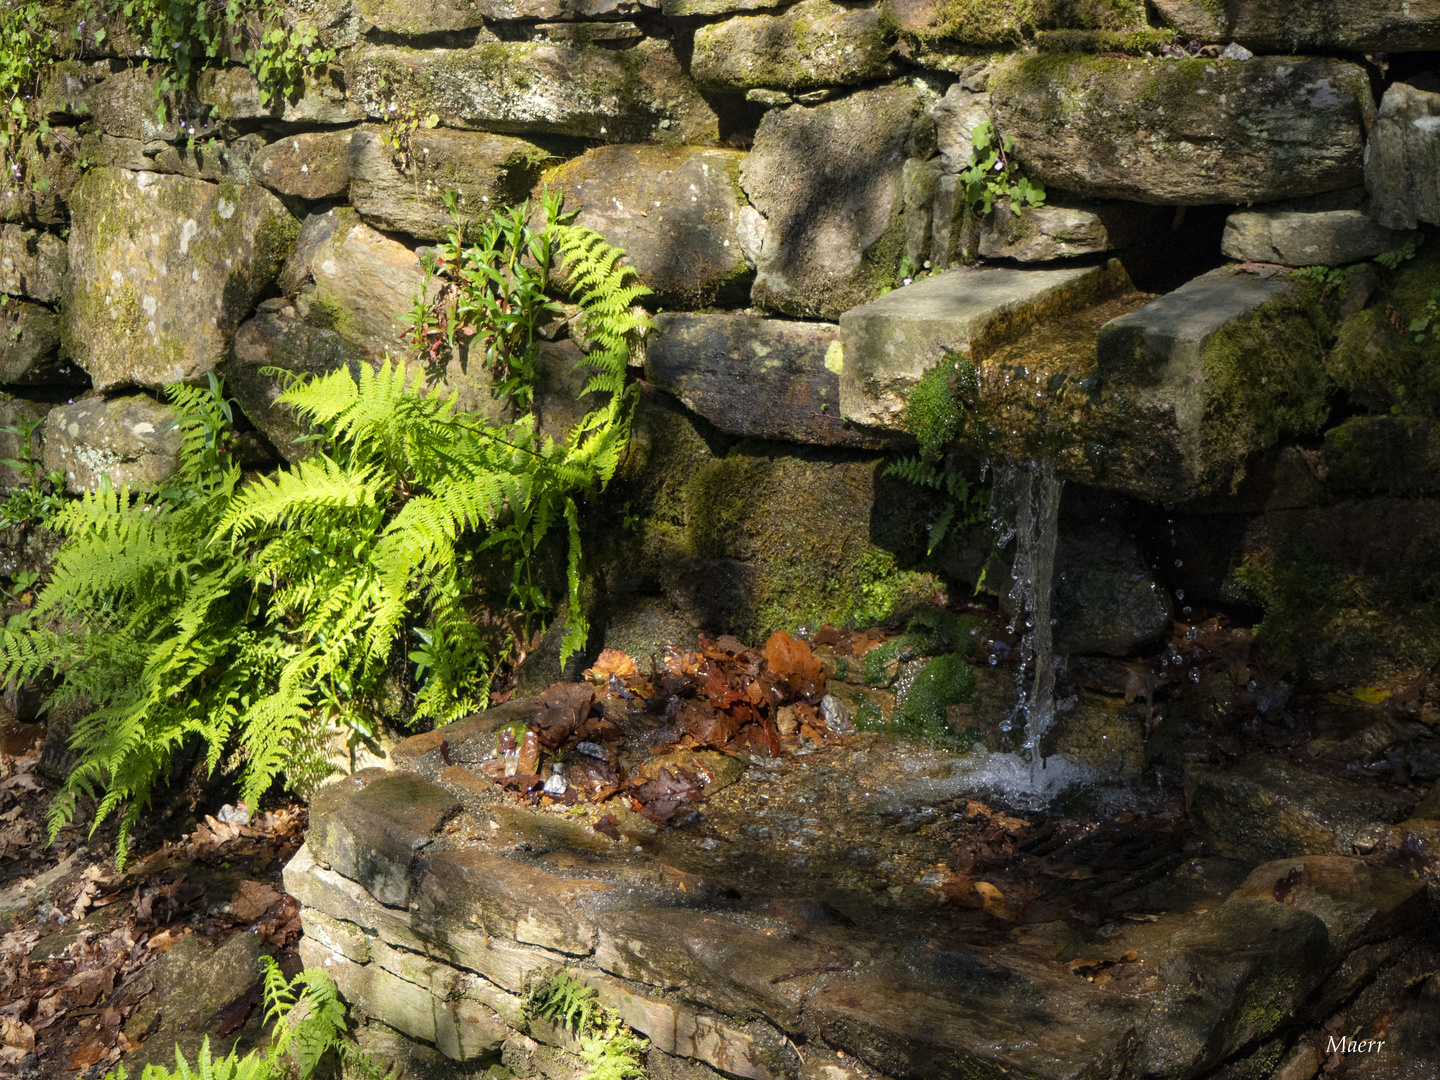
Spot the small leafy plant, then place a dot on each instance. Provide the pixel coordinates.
(611, 1050)
(991, 174)
(41, 495)
(1426, 326)
(1392, 259)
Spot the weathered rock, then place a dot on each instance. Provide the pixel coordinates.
(190, 987)
(407, 196)
(233, 93)
(344, 276)
(1383, 454)
(676, 8)
(1101, 733)
(767, 378)
(1106, 600)
(1291, 238)
(827, 179)
(1402, 160)
(627, 94)
(1007, 22)
(279, 339)
(371, 829)
(417, 18)
(162, 271)
(890, 343)
(815, 43)
(311, 165)
(29, 346)
(956, 116)
(124, 106)
(32, 263)
(1300, 26)
(676, 213)
(49, 163)
(1185, 132)
(1062, 229)
(918, 184)
(1265, 809)
(1227, 364)
(65, 88)
(128, 439)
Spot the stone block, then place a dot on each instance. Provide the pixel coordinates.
(1301, 26)
(827, 180)
(629, 94)
(891, 342)
(1063, 229)
(417, 18)
(466, 888)
(1106, 599)
(813, 44)
(1402, 160)
(1294, 238)
(675, 212)
(1226, 365)
(49, 161)
(1186, 132)
(679, 8)
(1262, 809)
(128, 439)
(470, 739)
(310, 165)
(32, 263)
(234, 93)
(405, 192)
(322, 890)
(955, 24)
(956, 115)
(162, 271)
(191, 986)
(29, 346)
(766, 378)
(373, 834)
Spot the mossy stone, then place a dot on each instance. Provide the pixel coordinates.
(815, 43)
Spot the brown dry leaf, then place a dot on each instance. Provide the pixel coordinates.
(612, 662)
(12, 1055)
(16, 1033)
(165, 940)
(252, 899)
(84, 988)
(793, 661)
(994, 901)
(87, 1054)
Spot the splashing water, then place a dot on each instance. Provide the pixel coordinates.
(1025, 506)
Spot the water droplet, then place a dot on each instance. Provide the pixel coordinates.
(1179, 563)
(1179, 594)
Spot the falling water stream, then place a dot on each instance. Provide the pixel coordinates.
(1024, 506)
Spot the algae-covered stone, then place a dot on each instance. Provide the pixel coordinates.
(892, 342)
(29, 346)
(1226, 364)
(762, 536)
(675, 212)
(418, 18)
(403, 191)
(1300, 26)
(1296, 238)
(311, 165)
(619, 94)
(233, 93)
(1185, 132)
(815, 43)
(49, 163)
(162, 271)
(827, 180)
(132, 440)
(278, 339)
(767, 378)
(1062, 229)
(1007, 22)
(676, 8)
(1101, 733)
(1402, 165)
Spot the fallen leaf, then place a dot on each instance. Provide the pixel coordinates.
(252, 899)
(612, 662)
(16, 1033)
(87, 1054)
(608, 826)
(793, 661)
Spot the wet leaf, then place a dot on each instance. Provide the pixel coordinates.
(793, 661)
(252, 899)
(612, 662)
(86, 1054)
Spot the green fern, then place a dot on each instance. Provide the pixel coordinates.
(611, 1050)
(966, 503)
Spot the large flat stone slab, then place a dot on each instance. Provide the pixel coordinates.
(815, 43)
(890, 343)
(1185, 132)
(1298, 26)
(1297, 238)
(767, 378)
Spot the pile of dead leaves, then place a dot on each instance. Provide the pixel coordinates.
(19, 824)
(723, 697)
(69, 980)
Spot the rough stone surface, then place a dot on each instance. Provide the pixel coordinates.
(767, 378)
(958, 26)
(956, 115)
(29, 343)
(1290, 238)
(124, 438)
(32, 263)
(310, 165)
(890, 343)
(1402, 161)
(1061, 229)
(635, 93)
(403, 196)
(1299, 26)
(1264, 809)
(418, 18)
(1106, 599)
(827, 180)
(234, 93)
(162, 271)
(280, 339)
(815, 43)
(676, 213)
(1185, 132)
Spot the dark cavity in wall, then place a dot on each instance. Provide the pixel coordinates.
(1183, 244)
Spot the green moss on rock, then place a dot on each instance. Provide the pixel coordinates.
(944, 681)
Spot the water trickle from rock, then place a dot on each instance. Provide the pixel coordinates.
(1025, 506)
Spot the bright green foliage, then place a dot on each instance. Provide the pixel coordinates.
(936, 406)
(24, 42)
(991, 174)
(40, 497)
(944, 681)
(1426, 326)
(185, 36)
(611, 1050)
(297, 1047)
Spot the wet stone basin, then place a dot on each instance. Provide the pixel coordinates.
(844, 906)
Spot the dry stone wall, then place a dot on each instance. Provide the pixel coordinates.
(776, 171)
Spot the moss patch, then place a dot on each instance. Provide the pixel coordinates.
(944, 681)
